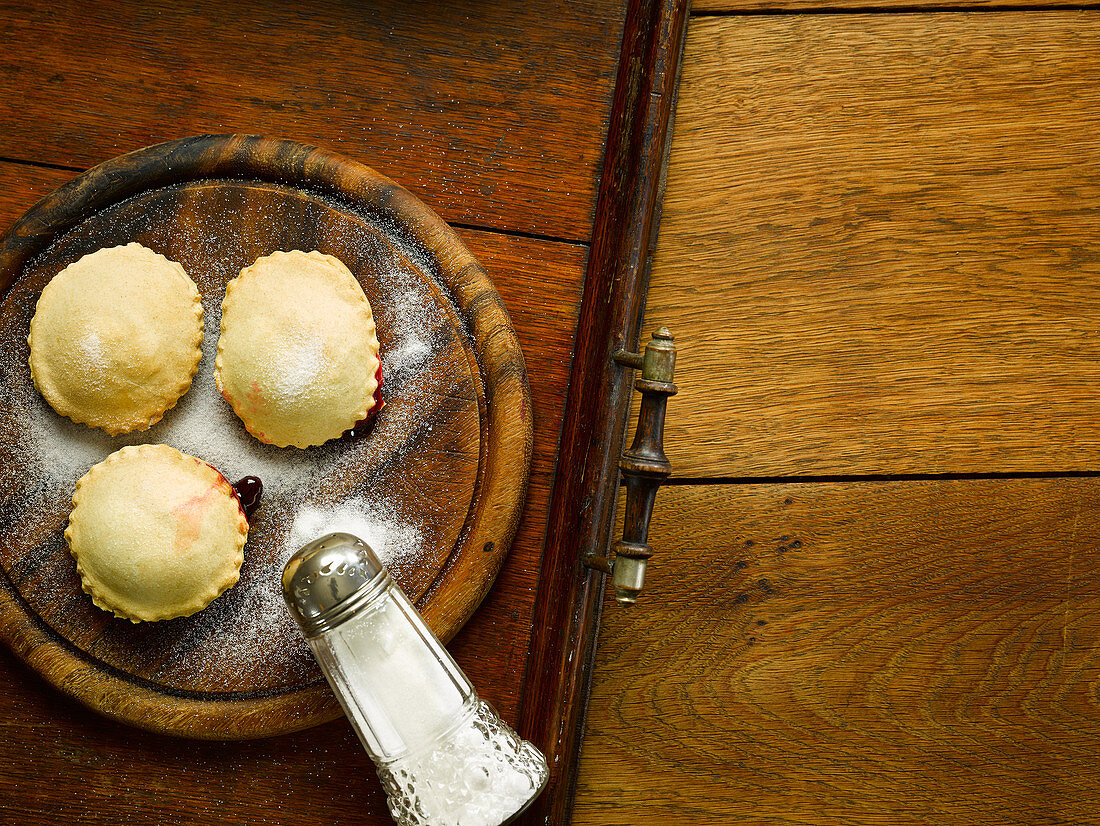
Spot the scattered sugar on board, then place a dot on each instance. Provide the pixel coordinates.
(255, 610)
(250, 621)
(382, 530)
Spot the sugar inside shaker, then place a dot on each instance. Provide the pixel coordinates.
(443, 755)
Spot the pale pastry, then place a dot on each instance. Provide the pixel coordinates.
(156, 533)
(116, 338)
(298, 355)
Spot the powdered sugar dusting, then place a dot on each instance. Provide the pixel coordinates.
(298, 367)
(409, 353)
(359, 485)
(91, 348)
(386, 535)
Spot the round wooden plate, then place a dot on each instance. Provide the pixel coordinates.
(436, 486)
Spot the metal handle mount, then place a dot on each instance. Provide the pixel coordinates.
(644, 466)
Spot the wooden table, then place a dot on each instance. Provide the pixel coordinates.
(875, 598)
(875, 594)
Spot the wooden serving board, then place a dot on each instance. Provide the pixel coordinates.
(436, 486)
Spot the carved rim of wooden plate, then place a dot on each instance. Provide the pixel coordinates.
(507, 430)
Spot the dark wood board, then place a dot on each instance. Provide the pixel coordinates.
(855, 653)
(494, 113)
(23, 185)
(456, 466)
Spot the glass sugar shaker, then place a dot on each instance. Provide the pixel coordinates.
(443, 755)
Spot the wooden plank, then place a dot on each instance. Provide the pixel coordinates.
(903, 652)
(878, 245)
(125, 775)
(22, 185)
(495, 114)
(703, 7)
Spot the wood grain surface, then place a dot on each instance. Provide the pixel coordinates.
(879, 245)
(705, 7)
(899, 652)
(494, 114)
(22, 186)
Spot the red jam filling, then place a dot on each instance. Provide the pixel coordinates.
(249, 491)
(364, 426)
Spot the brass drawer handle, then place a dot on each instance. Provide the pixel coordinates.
(644, 466)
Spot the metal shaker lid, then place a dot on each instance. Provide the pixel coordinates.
(330, 580)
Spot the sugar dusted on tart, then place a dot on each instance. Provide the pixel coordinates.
(156, 534)
(116, 338)
(298, 354)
